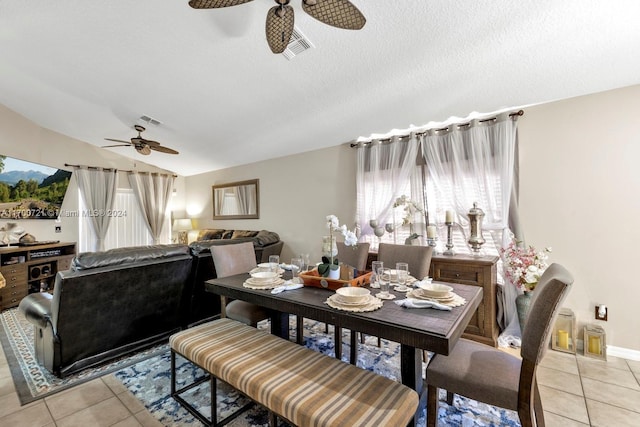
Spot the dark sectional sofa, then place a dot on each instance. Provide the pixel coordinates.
(115, 302)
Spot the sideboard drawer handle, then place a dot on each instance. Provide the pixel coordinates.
(457, 274)
(13, 279)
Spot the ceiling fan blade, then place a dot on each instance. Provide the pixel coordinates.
(279, 27)
(119, 145)
(162, 149)
(337, 13)
(214, 4)
(118, 140)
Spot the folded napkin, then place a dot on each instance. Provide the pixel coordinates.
(288, 286)
(420, 303)
(425, 281)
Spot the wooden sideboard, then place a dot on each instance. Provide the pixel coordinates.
(29, 269)
(478, 271)
(469, 270)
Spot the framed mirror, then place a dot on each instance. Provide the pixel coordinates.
(237, 200)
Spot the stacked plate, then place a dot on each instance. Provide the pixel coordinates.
(353, 298)
(437, 292)
(265, 266)
(263, 280)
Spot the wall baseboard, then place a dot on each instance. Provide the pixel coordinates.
(621, 352)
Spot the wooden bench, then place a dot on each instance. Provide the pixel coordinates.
(304, 387)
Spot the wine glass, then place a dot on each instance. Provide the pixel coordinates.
(274, 263)
(384, 278)
(402, 274)
(376, 267)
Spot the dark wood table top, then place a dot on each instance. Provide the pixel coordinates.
(422, 328)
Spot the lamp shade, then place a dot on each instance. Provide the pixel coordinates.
(183, 224)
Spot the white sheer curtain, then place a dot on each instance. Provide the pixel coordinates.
(386, 171)
(153, 192)
(475, 162)
(97, 187)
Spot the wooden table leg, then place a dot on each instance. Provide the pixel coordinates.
(337, 341)
(353, 354)
(411, 372)
(280, 324)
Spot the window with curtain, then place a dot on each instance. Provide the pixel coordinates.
(128, 226)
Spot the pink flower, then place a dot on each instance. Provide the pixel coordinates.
(523, 266)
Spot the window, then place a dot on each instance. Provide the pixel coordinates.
(126, 228)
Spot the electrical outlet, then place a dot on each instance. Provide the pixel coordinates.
(58, 229)
(602, 312)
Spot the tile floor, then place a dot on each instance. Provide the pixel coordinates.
(575, 390)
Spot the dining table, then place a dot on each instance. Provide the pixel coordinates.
(415, 329)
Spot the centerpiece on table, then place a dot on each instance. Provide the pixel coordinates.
(523, 267)
(330, 266)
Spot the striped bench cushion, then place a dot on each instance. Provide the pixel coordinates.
(304, 386)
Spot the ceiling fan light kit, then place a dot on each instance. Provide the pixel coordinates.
(280, 18)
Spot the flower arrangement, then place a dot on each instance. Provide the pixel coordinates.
(523, 266)
(350, 239)
(410, 209)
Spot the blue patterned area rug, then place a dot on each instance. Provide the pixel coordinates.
(33, 381)
(149, 381)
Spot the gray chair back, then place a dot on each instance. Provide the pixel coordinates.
(355, 256)
(418, 258)
(229, 260)
(553, 287)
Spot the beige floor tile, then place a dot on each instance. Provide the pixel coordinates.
(147, 420)
(6, 386)
(28, 416)
(601, 371)
(603, 415)
(611, 362)
(131, 402)
(634, 365)
(564, 404)
(103, 414)
(554, 420)
(9, 403)
(5, 372)
(114, 384)
(559, 380)
(77, 398)
(612, 394)
(128, 422)
(560, 361)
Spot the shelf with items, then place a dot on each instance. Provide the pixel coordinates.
(29, 269)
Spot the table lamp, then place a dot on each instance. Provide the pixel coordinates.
(182, 226)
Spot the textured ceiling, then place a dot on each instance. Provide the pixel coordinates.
(90, 69)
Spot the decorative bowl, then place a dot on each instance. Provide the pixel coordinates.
(435, 290)
(352, 294)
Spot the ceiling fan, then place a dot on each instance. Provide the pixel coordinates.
(142, 145)
(279, 26)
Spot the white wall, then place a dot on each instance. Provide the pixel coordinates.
(296, 194)
(579, 193)
(24, 140)
(579, 187)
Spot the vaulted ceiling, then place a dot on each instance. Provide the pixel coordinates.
(91, 69)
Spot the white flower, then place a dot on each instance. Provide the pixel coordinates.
(350, 238)
(332, 222)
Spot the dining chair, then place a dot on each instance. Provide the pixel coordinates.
(230, 260)
(418, 258)
(354, 256)
(492, 376)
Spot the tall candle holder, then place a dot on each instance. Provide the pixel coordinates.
(449, 250)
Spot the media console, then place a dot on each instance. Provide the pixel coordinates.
(33, 268)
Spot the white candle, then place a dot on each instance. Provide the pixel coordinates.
(448, 216)
(431, 231)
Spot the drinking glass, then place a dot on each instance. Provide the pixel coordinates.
(402, 273)
(296, 268)
(274, 263)
(376, 266)
(384, 279)
(305, 262)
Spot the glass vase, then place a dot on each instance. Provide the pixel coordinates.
(522, 307)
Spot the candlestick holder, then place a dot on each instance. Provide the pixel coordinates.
(449, 250)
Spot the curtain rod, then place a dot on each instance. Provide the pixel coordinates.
(117, 170)
(489, 119)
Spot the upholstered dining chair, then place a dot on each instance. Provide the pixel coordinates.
(418, 258)
(492, 376)
(229, 260)
(354, 256)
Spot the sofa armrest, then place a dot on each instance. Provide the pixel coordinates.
(36, 308)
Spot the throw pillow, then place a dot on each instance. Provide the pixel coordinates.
(243, 233)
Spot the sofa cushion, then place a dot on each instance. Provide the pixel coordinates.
(227, 234)
(237, 234)
(128, 255)
(264, 238)
(210, 234)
